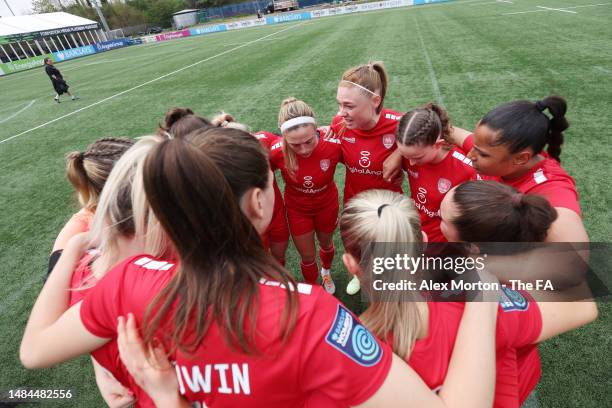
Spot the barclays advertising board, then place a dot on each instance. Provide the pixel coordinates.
(208, 29)
(287, 17)
(74, 53)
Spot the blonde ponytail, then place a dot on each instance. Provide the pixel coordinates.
(382, 216)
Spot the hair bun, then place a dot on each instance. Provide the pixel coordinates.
(288, 100)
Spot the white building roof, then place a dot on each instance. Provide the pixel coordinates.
(47, 22)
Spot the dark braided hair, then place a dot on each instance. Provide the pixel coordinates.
(88, 170)
(522, 124)
(423, 126)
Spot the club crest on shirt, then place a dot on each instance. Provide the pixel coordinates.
(324, 164)
(388, 140)
(364, 160)
(511, 301)
(351, 338)
(444, 185)
(308, 182)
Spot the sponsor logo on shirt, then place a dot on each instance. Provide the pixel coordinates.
(388, 141)
(420, 203)
(367, 172)
(412, 173)
(444, 185)
(308, 182)
(349, 139)
(364, 161)
(276, 145)
(422, 195)
(310, 190)
(324, 164)
(511, 301)
(352, 339)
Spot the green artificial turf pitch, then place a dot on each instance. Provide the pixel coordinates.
(470, 55)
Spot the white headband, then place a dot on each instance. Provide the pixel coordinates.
(359, 86)
(300, 120)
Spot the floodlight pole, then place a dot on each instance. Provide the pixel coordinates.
(9, 7)
(96, 4)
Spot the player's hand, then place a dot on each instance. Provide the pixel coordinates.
(149, 366)
(113, 392)
(392, 168)
(328, 133)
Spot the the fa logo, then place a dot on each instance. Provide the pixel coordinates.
(388, 141)
(364, 161)
(324, 164)
(421, 195)
(308, 182)
(444, 185)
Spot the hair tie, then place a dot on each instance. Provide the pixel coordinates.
(517, 199)
(381, 208)
(540, 106)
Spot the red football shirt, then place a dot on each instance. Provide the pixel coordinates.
(519, 324)
(364, 152)
(312, 188)
(430, 182)
(107, 356)
(547, 178)
(329, 351)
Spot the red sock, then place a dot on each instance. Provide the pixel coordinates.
(310, 272)
(327, 256)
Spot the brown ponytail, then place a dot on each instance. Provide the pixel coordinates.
(371, 76)
(489, 211)
(87, 171)
(194, 186)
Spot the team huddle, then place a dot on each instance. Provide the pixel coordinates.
(172, 275)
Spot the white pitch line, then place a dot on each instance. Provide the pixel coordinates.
(564, 8)
(471, 76)
(556, 9)
(588, 5)
(524, 12)
(19, 111)
(147, 83)
(432, 73)
(552, 71)
(597, 67)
